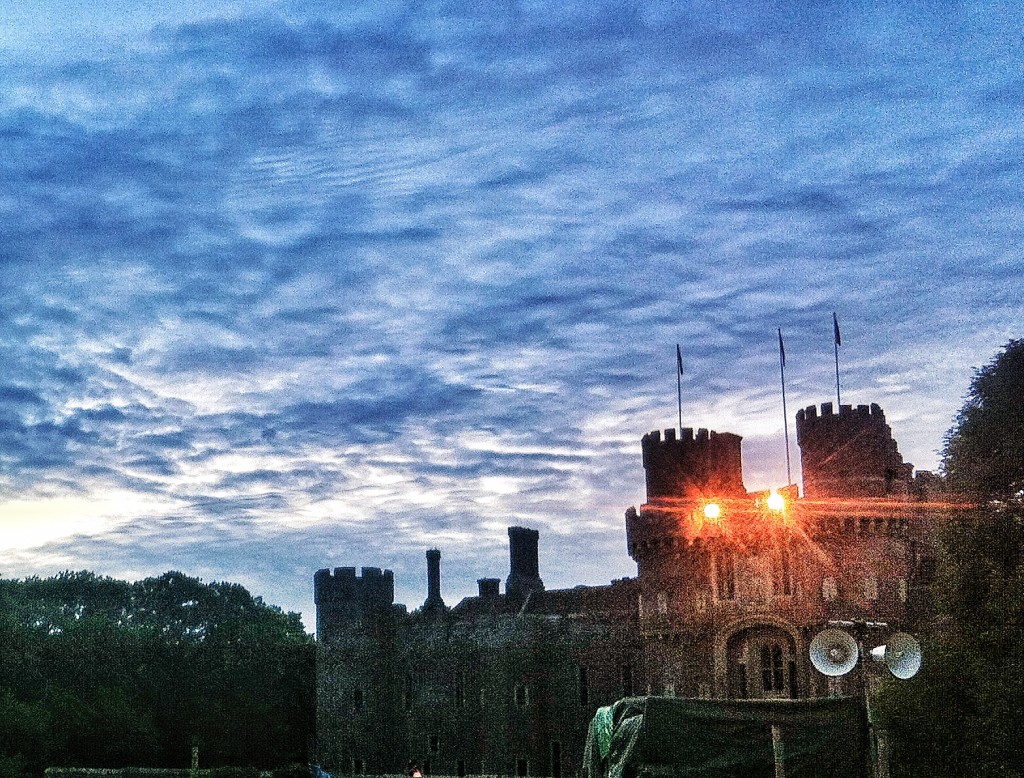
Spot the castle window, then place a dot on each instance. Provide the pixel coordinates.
(408, 691)
(358, 767)
(584, 687)
(792, 679)
(772, 677)
(785, 569)
(460, 768)
(725, 575)
(662, 603)
(520, 696)
(627, 680)
(556, 759)
(434, 744)
(741, 677)
(426, 767)
(357, 699)
(522, 768)
(870, 587)
(829, 590)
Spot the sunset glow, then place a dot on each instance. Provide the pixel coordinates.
(304, 284)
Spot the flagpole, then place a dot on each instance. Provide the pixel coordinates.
(785, 413)
(837, 341)
(679, 386)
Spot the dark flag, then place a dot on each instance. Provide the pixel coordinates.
(785, 415)
(679, 384)
(839, 342)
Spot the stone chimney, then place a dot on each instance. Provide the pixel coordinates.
(488, 588)
(434, 602)
(523, 576)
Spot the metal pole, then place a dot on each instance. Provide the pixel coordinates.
(778, 751)
(839, 402)
(679, 395)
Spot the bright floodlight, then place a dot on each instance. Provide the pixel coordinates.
(712, 510)
(776, 501)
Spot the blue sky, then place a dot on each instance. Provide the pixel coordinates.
(290, 287)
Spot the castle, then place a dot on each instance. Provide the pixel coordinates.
(731, 587)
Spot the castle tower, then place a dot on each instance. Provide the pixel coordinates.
(850, 454)
(343, 597)
(708, 463)
(524, 573)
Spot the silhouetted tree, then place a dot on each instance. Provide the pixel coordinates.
(98, 672)
(963, 714)
(984, 452)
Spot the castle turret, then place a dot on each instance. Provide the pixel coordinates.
(524, 573)
(708, 463)
(343, 597)
(850, 454)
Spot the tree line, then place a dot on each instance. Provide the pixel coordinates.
(97, 672)
(963, 715)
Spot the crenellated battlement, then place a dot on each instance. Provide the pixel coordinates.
(342, 596)
(855, 414)
(693, 463)
(850, 454)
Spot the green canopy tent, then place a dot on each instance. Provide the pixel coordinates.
(658, 737)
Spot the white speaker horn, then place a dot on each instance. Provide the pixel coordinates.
(902, 655)
(833, 652)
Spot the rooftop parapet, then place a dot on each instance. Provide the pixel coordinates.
(692, 464)
(808, 416)
(342, 594)
(850, 454)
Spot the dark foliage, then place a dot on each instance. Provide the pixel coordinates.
(984, 452)
(963, 715)
(96, 672)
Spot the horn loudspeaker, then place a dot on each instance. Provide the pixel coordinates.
(902, 655)
(833, 652)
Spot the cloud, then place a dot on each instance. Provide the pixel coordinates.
(290, 275)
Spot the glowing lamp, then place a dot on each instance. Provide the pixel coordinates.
(712, 510)
(776, 501)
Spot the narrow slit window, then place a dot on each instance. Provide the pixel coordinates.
(725, 574)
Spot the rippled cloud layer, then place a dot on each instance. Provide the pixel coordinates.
(287, 287)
